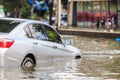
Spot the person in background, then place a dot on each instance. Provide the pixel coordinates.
(39, 33)
(16, 13)
(113, 22)
(98, 22)
(109, 24)
(103, 22)
(53, 19)
(40, 18)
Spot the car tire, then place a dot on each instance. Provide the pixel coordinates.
(28, 64)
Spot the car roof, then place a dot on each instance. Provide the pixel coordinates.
(18, 19)
(22, 20)
(25, 20)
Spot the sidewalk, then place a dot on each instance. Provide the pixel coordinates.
(89, 32)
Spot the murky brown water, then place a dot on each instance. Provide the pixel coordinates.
(100, 61)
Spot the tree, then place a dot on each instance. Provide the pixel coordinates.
(39, 6)
(50, 6)
(22, 4)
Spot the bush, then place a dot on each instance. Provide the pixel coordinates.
(26, 11)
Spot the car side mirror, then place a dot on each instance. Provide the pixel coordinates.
(68, 42)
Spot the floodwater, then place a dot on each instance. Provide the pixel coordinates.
(100, 61)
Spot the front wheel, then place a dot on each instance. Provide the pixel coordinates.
(28, 64)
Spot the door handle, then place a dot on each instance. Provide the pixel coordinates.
(55, 47)
(35, 42)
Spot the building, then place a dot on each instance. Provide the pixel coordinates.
(83, 13)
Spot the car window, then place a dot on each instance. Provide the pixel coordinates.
(52, 34)
(37, 31)
(8, 25)
(28, 32)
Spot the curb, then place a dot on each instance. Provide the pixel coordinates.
(90, 33)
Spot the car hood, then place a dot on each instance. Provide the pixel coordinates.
(75, 50)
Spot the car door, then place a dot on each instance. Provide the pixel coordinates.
(54, 44)
(34, 32)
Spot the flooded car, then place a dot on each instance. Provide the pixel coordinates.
(30, 43)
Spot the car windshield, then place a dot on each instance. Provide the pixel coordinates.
(8, 25)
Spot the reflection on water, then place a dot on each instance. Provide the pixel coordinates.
(100, 61)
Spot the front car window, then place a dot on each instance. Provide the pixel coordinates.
(42, 32)
(52, 35)
(8, 25)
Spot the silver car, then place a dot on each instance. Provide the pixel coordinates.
(30, 43)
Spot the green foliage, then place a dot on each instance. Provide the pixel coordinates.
(35, 16)
(46, 15)
(52, 36)
(10, 4)
(23, 5)
(26, 11)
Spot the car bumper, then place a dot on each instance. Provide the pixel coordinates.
(8, 59)
(2, 56)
